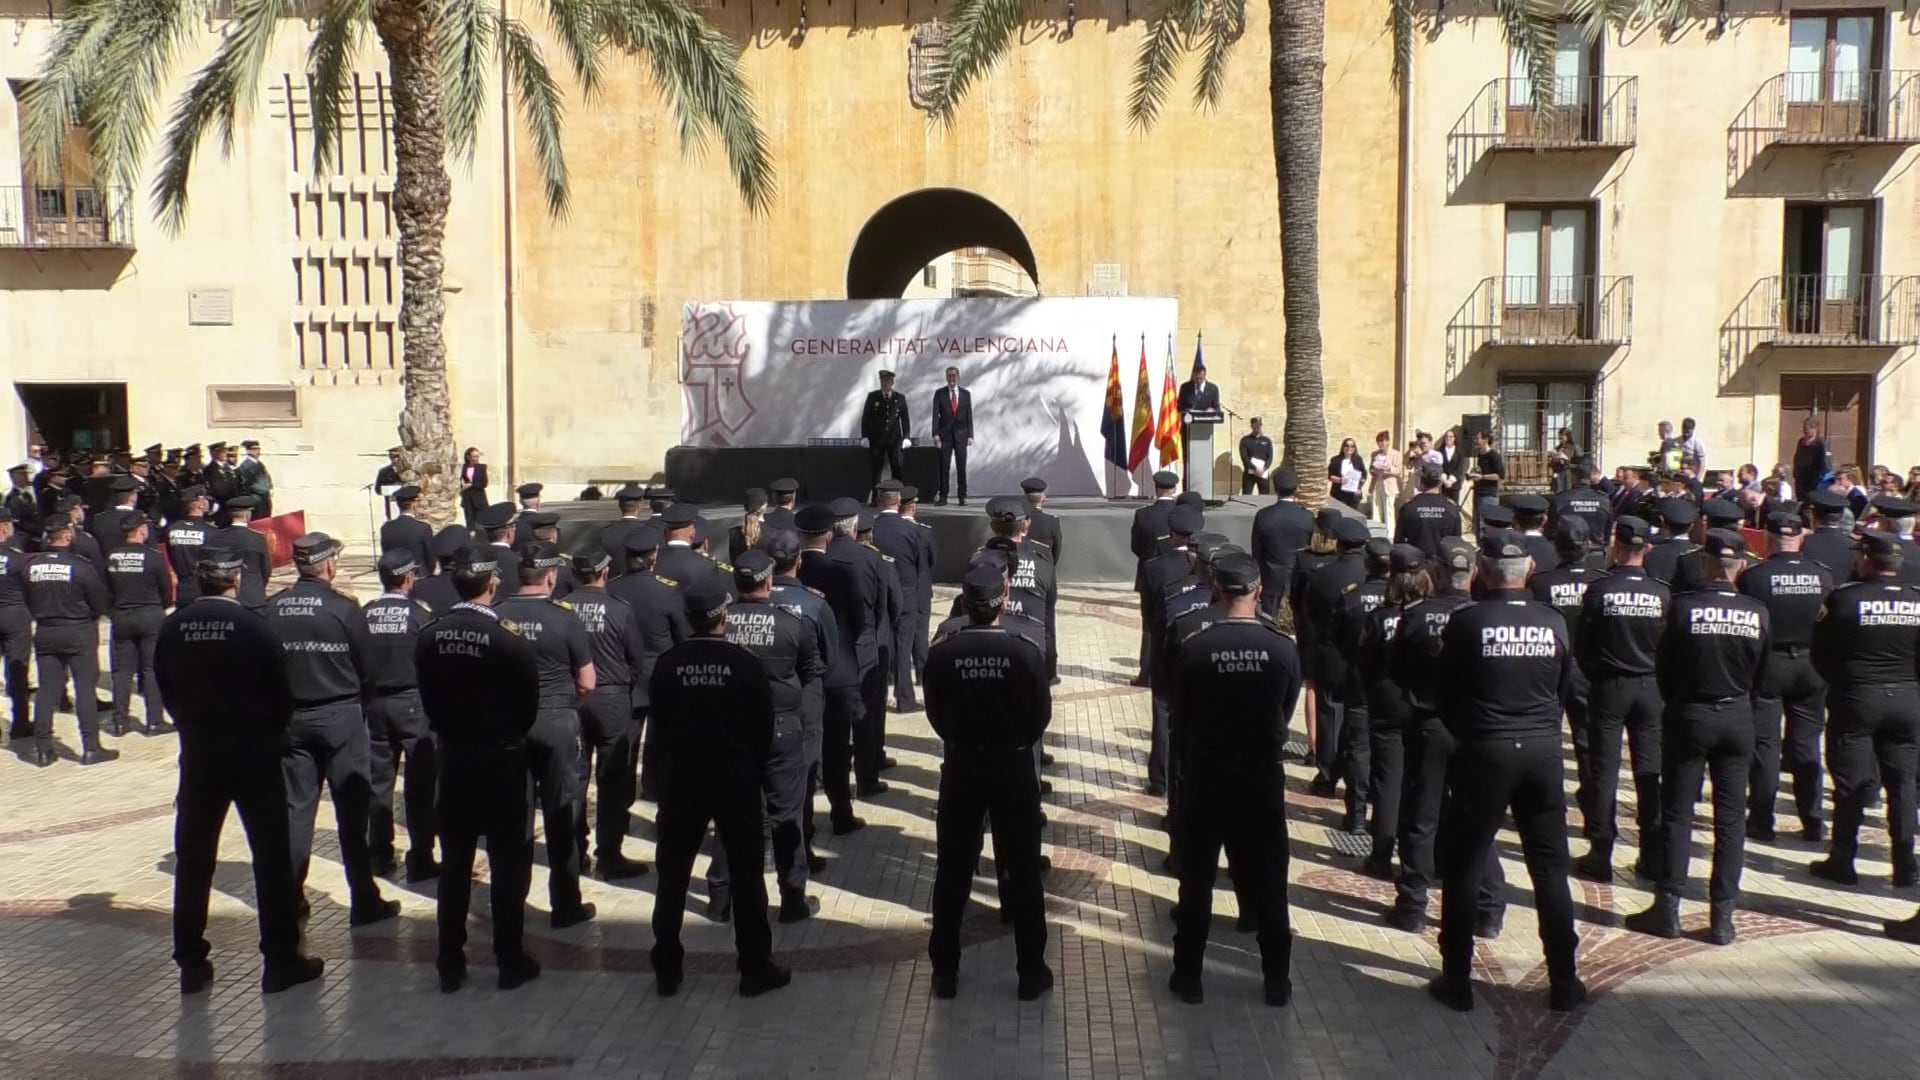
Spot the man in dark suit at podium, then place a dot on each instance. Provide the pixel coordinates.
(952, 433)
(883, 424)
(1197, 395)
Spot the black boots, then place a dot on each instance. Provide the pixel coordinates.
(1720, 928)
(1596, 864)
(1661, 920)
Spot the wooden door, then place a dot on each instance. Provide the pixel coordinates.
(1568, 118)
(1549, 287)
(63, 209)
(1843, 407)
(1833, 70)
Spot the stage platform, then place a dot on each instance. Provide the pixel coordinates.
(1095, 532)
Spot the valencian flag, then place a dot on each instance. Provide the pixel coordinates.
(1168, 437)
(1142, 413)
(1113, 423)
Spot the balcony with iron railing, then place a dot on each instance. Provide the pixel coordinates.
(983, 271)
(1828, 110)
(1830, 311)
(1529, 312)
(1575, 113)
(41, 218)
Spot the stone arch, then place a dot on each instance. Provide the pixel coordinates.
(918, 227)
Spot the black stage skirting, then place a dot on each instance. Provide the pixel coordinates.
(1095, 532)
(719, 474)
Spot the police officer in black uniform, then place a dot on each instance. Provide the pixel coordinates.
(185, 536)
(1505, 666)
(869, 727)
(1583, 501)
(987, 699)
(1149, 528)
(1349, 627)
(438, 592)
(782, 494)
(1793, 588)
(1160, 576)
(810, 606)
(1692, 574)
(553, 744)
(1426, 744)
(108, 526)
(1530, 522)
(1035, 588)
(789, 653)
(529, 496)
(613, 535)
(1372, 675)
(663, 623)
(408, 533)
(1281, 530)
(609, 723)
(327, 654)
(1235, 683)
(252, 549)
(141, 593)
(1867, 647)
(1429, 517)
(1674, 543)
(230, 732)
(397, 728)
(1830, 543)
(16, 629)
(1622, 620)
(678, 560)
(1042, 527)
(496, 528)
(713, 712)
(1712, 664)
(1563, 589)
(1325, 668)
(66, 599)
(480, 686)
(900, 539)
(847, 595)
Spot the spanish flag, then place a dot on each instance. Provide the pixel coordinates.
(1113, 423)
(1168, 437)
(1142, 413)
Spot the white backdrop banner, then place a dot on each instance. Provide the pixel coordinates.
(780, 373)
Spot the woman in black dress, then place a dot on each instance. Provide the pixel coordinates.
(473, 486)
(1347, 474)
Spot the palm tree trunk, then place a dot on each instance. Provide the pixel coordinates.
(1298, 30)
(421, 195)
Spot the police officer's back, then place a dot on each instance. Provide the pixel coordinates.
(230, 733)
(608, 726)
(1794, 588)
(16, 626)
(396, 722)
(987, 699)
(1584, 502)
(185, 537)
(66, 598)
(1675, 543)
(1829, 542)
(252, 548)
(138, 582)
(1429, 517)
(1281, 530)
(437, 591)
(408, 533)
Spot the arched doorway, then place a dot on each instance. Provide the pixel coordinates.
(918, 231)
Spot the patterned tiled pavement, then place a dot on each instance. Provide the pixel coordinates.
(87, 989)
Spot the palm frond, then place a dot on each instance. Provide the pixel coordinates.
(980, 33)
(697, 69)
(540, 108)
(1224, 22)
(1596, 17)
(1531, 27)
(329, 60)
(1168, 29)
(576, 23)
(1400, 26)
(132, 72)
(50, 104)
(464, 39)
(221, 91)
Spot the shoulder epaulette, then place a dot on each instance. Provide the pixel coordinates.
(564, 604)
(1350, 588)
(924, 525)
(724, 566)
(884, 555)
(815, 591)
(665, 580)
(1040, 543)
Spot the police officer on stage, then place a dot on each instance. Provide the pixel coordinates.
(987, 699)
(408, 533)
(437, 592)
(252, 549)
(16, 629)
(328, 658)
(397, 729)
(66, 598)
(884, 426)
(1429, 517)
(230, 733)
(553, 744)
(1623, 617)
(1794, 588)
(141, 592)
(663, 623)
(1235, 683)
(789, 653)
(713, 712)
(185, 536)
(1866, 645)
(1712, 664)
(609, 723)
(1505, 668)
(480, 686)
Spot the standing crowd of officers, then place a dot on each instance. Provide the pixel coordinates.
(497, 674)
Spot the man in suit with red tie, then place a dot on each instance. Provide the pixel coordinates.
(952, 433)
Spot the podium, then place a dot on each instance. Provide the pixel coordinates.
(1197, 447)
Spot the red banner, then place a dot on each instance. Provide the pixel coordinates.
(280, 531)
(1759, 544)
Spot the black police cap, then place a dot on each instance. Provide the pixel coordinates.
(1894, 506)
(1186, 520)
(1379, 550)
(909, 493)
(844, 507)
(863, 521)
(131, 522)
(591, 561)
(1571, 532)
(1881, 543)
(1236, 575)
(1828, 501)
(448, 541)
(529, 491)
(1781, 523)
(885, 374)
(1033, 485)
(1191, 498)
(1503, 544)
(1721, 513)
(752, 568)
(1456, 554)
(631, 493)
(540, 519)
(887, 487)
(244, 502)
(1430, 474)
(1165, 480)
(219, 560)
(314, 548)
(6, 515)
(474, 559)
(1407, 559)
(1006, 508)
(1678, 513)
(1327, 517)
(1205, 543)
(705, 598)
(398, 563)
(983, 586)
(406, 494)
(679, 515)
(814, 519)
(1492, 515)
(1351, 532)
(642, 538)
(754, 499)
(1630, 531)
(1725, 544)
(781, 545)
(786, 485)
(541, 556)
(497, 516)
(1529, 504)
(120, 485)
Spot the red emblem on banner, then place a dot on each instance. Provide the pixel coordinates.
(713, 361)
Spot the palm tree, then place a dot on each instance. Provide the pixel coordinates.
(110, 60)
(984, 29)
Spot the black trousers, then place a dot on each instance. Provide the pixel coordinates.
(609, 745)
(903, 669)
(892, 457)
(1713, 739)
(870, 731)
(1427, 746)
(399, 743)
(1579, 705)
(1631, 705)
(813, 705)
(729, 798)
(64, 653)
(1250, 483)
(244, 774)
(16, 649)
(1792, 692)
(953, 452)
(784, 785)
(1485, 779)
(1159, 746)
(1356, 754)
(130, 651)
(1869, 726)
(1330, 714)
(1241, 806)
(329, 743)
(553, 757)
(1386, 781)
(839, 720)
(997, 784)
(485, 791)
